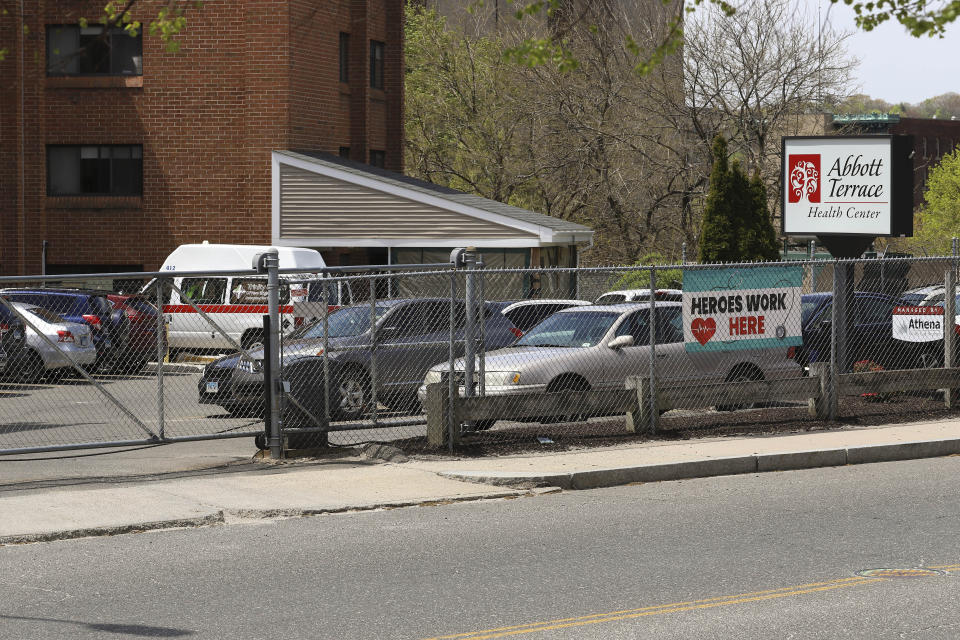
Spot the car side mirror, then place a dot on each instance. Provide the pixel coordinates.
(620, 342)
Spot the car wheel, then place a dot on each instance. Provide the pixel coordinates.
(252, 340)
(351, 394)
(30, 369)
(741, 374)
(260, 440)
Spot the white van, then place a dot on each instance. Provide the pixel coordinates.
(236, 304)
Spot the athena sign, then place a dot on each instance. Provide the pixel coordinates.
(847, 185)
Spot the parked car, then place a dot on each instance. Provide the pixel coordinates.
(871, 337)
(411, 335)
(598, 347)
(72, 343)
(640, 295)
(526, 314)
(13, 338)
(923, 296)
(82, 306)
(146, 328)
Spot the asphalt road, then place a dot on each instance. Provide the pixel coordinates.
(752, 557)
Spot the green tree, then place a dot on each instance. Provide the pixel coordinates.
(939, 219)
(736, 221)
(717, 233)
(758, 239)
(919, 17)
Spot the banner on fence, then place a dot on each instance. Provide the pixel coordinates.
(918, 324)
(750, 308)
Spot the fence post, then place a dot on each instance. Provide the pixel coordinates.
(452, 427)
(470, 322)
(949, 332)
(161, 355)
(482, 353)
(652, 399)
(837, 316)
(272, 263)
(326, 350)
(373, 348)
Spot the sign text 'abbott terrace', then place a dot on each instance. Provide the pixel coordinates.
(848, 185)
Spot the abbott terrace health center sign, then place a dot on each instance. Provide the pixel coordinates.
(847, 185)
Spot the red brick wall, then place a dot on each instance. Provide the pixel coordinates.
(252, 76)
(931, 140)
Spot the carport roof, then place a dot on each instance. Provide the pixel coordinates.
(558, 226)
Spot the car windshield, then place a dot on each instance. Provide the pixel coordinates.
(349, 321)
(570, 329)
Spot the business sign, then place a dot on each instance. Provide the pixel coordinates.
(847, 185)
(751, 308)
(918, 324)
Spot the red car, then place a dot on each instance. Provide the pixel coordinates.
(145, 323)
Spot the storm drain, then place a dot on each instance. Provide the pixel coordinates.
(899, 573)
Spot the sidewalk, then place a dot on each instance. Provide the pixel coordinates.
(337, 484)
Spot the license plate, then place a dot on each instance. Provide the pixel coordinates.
(213, 387)
(84, 341)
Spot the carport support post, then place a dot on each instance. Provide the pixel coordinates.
(272, 263)
(161, 354)
(949, 332)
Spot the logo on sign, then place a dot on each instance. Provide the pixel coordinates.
(804, 177)
(703, 330)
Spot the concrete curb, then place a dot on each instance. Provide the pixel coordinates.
(755, 463)
(231, 516)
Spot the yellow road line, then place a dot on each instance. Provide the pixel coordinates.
(612, 616)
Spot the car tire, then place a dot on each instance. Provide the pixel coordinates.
(741, 374)
(350, 394)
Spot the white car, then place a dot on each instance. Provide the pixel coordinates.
(639, 295)
(73, 342)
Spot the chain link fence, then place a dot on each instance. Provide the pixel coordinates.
(437, 357)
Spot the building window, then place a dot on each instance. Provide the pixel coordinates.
(344, 57)
(378, 158)
(103, 170)
(86, 51)
(344, 152)
(376, 64)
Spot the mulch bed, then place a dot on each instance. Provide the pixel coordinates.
(853, 411)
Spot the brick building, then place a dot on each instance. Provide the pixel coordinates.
(117, 154)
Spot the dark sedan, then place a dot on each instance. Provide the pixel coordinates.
(409, 337)
(870, 338)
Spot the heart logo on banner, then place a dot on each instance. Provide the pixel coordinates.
(703, 330)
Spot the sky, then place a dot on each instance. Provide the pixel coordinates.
(895, 66)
